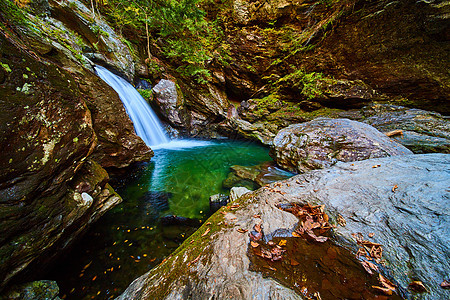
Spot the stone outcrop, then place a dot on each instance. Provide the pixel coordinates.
(402, 204)
(56, 127)
(421, 131)
(323, 142)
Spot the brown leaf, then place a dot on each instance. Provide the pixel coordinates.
(271, 243)
(376, 166)
(385, 291)
(294, 262)
(270, 268)
(209, 223)
(394, 132)
(386, 282)
(371, 234)
(257, 216)
(417, 286)
(254, 244)
(194, 260)
(394, 188)
(242, 230)
(206, 231)
(445, 284)
(258, 227)
(234, 206)
(295, 234)
(366, 267)
(325, 217)
(341, 221)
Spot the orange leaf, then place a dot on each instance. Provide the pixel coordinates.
(295, 234)
(294, 262)
(282, 243)
(394, 188)
(384, 291)
(206, 232)
(254, 244)
(242, 230)
(417, 286)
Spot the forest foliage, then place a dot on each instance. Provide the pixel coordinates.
(178, 27)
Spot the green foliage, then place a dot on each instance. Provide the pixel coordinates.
(10, 12)
(5, 67)
(146, 94)
(184, 35)
(309, 84)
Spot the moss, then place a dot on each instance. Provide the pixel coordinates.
(146, 94)
(195, 247)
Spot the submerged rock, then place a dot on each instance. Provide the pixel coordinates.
(323, 142)
(36, 290)
(217, 201)
(411, 222)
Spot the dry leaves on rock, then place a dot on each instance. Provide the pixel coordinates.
(313, 221)
(257, 233)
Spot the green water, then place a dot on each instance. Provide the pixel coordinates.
(130, 239)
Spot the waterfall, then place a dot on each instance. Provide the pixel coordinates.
(145, 121)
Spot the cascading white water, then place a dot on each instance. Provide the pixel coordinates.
(145, 121)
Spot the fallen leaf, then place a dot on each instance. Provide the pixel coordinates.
(270, 268)
(242, 230)
(341, 221)
(257, 216)
(254, 244)
(385, 291)
(194, 260)
(366, 267)
(386, 282)
(271, 243)
(258, 227)
(445, 284)
(394, 188)
(282, 243)
(93, 278)
(417, 286)
(294, 262)
(209, 223)
(206, 232)
(376, 166)
(295, 234)
(394, 132)
(371, 234)
(191, 241)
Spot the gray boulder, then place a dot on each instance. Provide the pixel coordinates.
(323, 142)
(168, 101)
(421, 131)
(411, 222)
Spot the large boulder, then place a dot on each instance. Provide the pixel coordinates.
(323, 142)
(401, 203)
(169, 101)
(419, 130)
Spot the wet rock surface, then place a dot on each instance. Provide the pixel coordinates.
(410, 221)
(323, 142)
(36, 290)
(52, 185)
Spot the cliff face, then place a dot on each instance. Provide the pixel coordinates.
(291, 61)
(60, 125)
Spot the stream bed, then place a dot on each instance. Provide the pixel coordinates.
(131, 239)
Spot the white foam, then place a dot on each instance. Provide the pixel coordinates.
(183, 144)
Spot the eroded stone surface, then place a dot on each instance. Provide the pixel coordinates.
(410, 222)
(323, 142)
